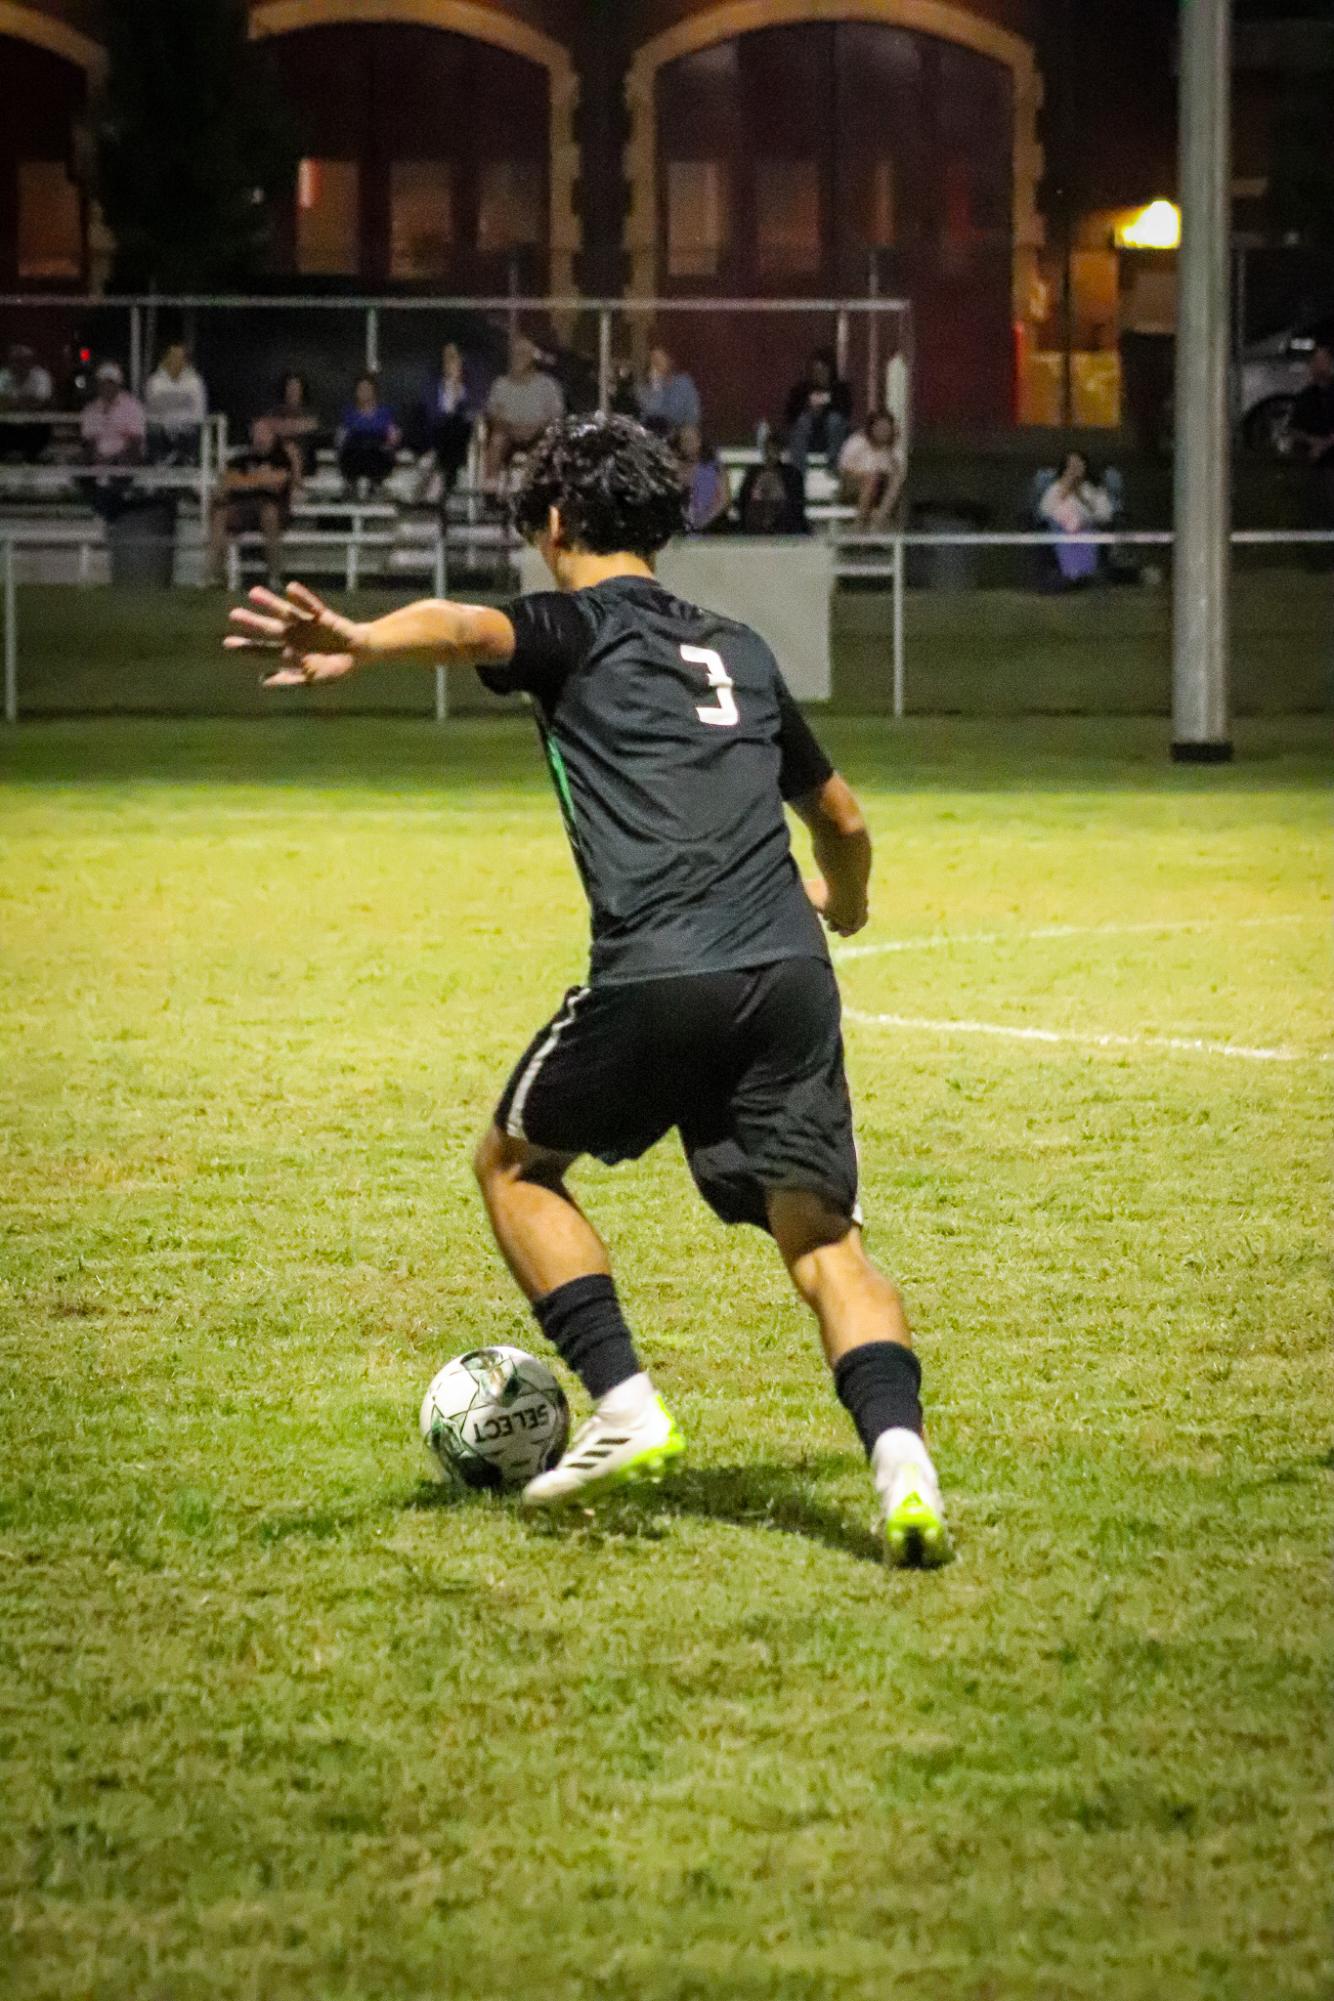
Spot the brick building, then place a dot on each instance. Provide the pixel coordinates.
(672, 148)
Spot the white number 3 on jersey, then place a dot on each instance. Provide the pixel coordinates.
(722, 713)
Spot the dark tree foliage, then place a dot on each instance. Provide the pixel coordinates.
(1301, 179)
(194, 144)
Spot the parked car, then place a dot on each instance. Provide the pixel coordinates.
(1269, 375)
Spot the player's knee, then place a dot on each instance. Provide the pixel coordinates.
(488, 1158)
(804, 1224)
(499, 1162)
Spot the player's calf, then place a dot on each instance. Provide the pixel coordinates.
(562, 1265)
(876, 1374)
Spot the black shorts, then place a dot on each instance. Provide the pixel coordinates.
(748, 1066)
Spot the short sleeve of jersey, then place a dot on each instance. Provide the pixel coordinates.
(552, 633)
(804, 767)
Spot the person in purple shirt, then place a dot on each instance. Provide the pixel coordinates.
(708, 489)
(368, 437)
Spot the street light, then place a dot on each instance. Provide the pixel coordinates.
(1157, 227)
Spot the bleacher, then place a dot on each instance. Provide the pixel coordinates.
(399, 532)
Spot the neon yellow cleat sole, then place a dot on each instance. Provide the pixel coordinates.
(916, 1537)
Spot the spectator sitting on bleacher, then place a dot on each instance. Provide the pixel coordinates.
(819, 412)
(449, 415)
(773, 494)
(255, 494)
(708, 488)
(871, 470)
(24, 387)
(295, 424)
(176, 403)
(1073, 503)
(668, 398)
(114, 432)
(368, 437)
(522, 403)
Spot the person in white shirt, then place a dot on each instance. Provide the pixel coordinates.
(522, 403)
(24, 386)
(177, 404)
(1073, 503)
(871, 470)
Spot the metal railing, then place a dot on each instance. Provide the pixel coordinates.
(142, 312)
(42, 478)
(898, 541)
(859, 554)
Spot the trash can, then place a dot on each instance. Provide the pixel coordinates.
(945, 566)
(141, 542)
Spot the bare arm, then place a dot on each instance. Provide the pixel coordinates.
(316, 643)
(842, 849)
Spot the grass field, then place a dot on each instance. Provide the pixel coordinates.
(275, 1726)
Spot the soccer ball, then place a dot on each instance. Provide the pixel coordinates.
(494, 1418)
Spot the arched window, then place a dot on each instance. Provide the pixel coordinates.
(43, 236)
(795, 147)
(425, 158)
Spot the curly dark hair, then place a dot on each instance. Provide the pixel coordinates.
(615, 486)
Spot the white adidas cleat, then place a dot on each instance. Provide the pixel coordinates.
(610, 1452)
(916, 1537)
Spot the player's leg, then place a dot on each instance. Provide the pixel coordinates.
(219, 534)
(271, 526)
(543, 1234)
(780, 1152)
(876, 1374)
(499, 446)
(562, 1100)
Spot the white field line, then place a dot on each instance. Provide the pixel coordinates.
(938, 940)
(1193, 1045)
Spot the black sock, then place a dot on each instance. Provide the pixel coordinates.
(877, 1385)
(584, 1324)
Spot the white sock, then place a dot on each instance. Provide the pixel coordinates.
(628, 1400)
(892, 1451)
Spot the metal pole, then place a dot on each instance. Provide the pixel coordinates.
(206, 484)
(373, 340)
(900, 665)
(841, 330)
(441, 672)
(11, 638)
(604, 361)
(137, 349)
(1201, 572)
(874, 391)
(1239, 305)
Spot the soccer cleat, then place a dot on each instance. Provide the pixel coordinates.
(916, 1537)
(606, 1453)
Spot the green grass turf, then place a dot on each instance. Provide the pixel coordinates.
(274, 1725)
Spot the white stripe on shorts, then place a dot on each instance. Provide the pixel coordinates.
(514, 1123)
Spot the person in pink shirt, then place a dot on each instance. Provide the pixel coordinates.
(114, 427)
(114, 430)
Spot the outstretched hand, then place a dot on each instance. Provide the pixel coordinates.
(314, 643)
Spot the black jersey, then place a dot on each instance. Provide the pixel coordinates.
(673, 743)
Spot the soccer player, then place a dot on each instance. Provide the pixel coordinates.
(711, 1004)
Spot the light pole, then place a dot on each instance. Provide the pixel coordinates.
(1201, 727)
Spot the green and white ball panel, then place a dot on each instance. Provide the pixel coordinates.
(494, 1418)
